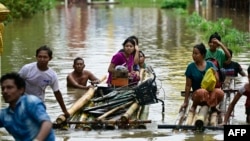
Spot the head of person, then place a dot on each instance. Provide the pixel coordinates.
(78, 64)
(129, 46)
(199, 52)
(135, 38)
(12, 86)
(213, 45)
(43, 55)
(141, 57)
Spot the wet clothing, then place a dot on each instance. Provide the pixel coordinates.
(37, 80)
(218, 55)
(120, 59)
(25, 121)
(196, 75)
(232, 69)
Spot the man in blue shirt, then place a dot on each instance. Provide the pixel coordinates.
(25, 118)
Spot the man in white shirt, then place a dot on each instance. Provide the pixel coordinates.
(38, 76)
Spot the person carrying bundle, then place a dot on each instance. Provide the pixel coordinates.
(194, 75)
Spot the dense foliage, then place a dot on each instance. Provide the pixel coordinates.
(175, 4)
(26, 8)
(232, 37)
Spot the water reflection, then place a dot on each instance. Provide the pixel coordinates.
(96, 33)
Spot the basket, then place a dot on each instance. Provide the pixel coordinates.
(119, 78)
(146, 92)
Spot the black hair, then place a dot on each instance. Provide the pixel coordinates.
(46, 48)
(18, 80)
(215, 35)
(140, 52)
(230, 51)
(77, 58)
(129, 39)
(135, 38)
(201, 47)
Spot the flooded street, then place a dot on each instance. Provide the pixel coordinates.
(95, 33)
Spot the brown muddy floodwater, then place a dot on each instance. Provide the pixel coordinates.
(96, 33)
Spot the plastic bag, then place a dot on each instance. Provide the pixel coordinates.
(209, 80)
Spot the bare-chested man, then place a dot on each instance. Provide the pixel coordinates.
(79, 77)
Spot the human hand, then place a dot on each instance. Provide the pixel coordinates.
(216, 42)
(136, 47)
(183, 107)
(95, 82)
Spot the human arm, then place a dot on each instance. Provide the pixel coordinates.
(240, 70)
(59, 99)
(231, 107)
(44, 130)
(137, 55)
(187, 93)
(224, 48)
(242, 73)
(111, 68)
(93, 78)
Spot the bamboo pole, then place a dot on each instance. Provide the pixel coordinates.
(125, 117)
(84, 117)
(190, 117)
(78, 104)
(143, 116)
(75, 117)
(93, 123)
(207, 120)
(109, 121)
(111, 125)
(213, 119)
(201, 116)
(113, 110)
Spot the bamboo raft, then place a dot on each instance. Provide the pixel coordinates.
(112, 108)
(203, 118)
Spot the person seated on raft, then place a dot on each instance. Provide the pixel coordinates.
(124, 58)
(218, 50)
(233, 68)
(79, 77)
(142, 63)
(194, 75)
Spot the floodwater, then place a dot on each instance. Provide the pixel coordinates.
(96, 33)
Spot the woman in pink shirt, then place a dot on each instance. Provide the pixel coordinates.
(124, 58)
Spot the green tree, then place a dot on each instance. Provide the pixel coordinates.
(26, 8)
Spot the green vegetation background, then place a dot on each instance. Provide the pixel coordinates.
(232, 37)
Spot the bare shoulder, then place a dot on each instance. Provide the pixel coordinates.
(87, 72)
(70, 74)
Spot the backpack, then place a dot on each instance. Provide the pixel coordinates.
(221, 72)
